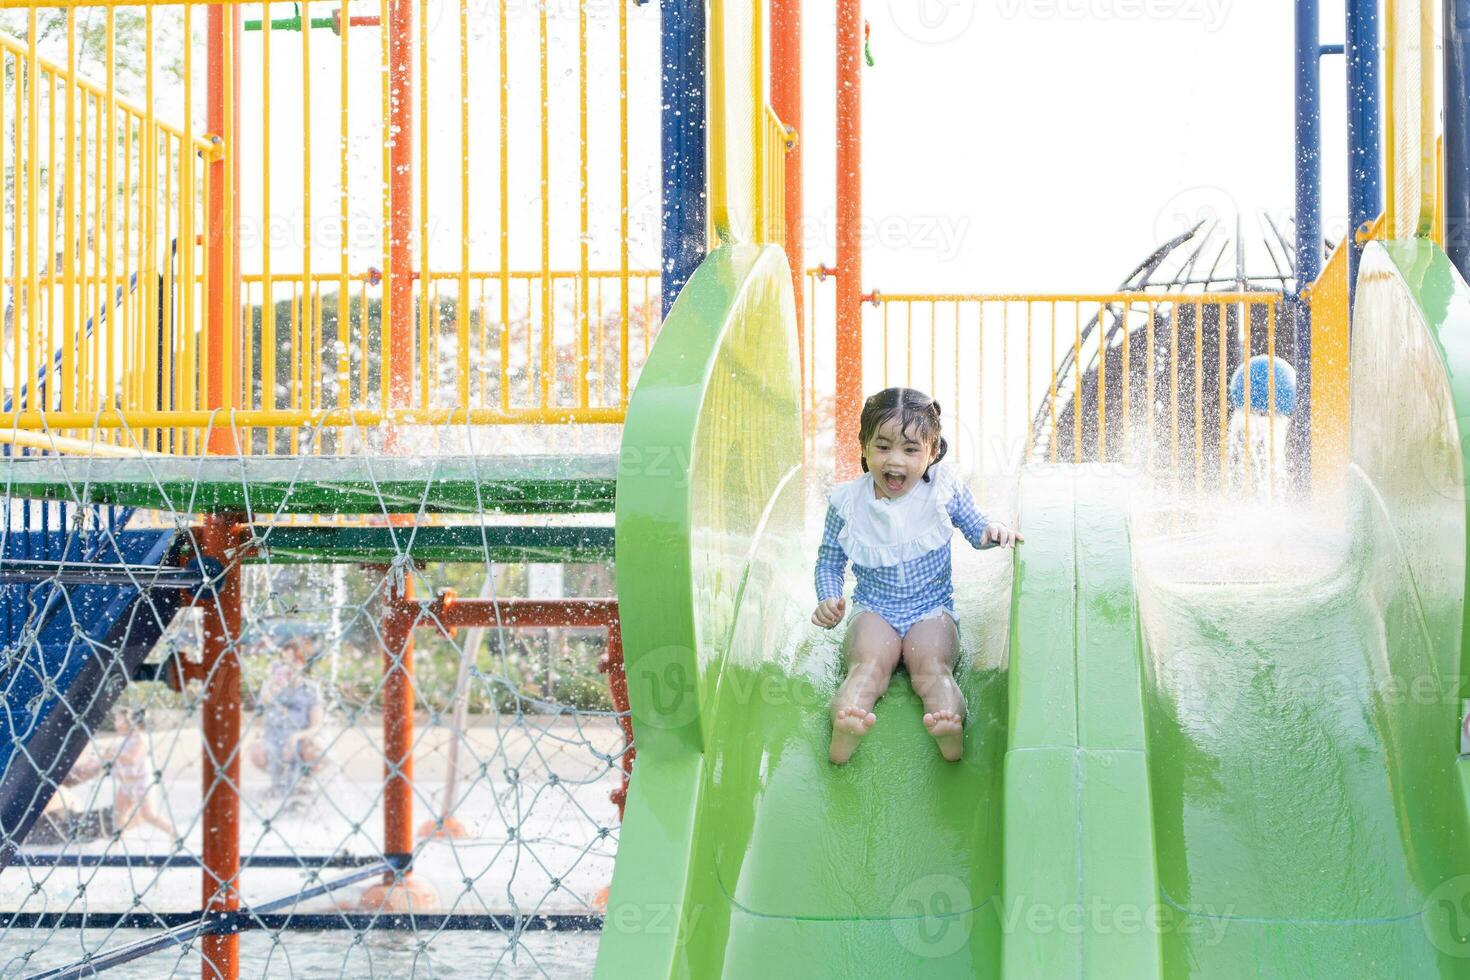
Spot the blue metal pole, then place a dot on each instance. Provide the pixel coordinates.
(1365, 169)
(1457, 133)
(1308, 219)
(685, 207)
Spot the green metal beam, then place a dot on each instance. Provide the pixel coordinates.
(260, 485)
(466, 544)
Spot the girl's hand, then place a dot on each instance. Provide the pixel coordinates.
(829, 613)
(997, 533)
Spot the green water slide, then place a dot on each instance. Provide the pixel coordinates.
(1208, 774)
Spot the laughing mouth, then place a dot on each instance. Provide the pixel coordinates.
(894, 481)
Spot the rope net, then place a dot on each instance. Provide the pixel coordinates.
(517, 748)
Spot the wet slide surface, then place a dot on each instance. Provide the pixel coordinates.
(1209, 744)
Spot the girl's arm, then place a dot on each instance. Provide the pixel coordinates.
(831, 559)
(964, 515)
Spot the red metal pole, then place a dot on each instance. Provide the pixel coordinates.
(399, 891)
(221, 755)
(400, 201)
(611, 664)
(849, 236)
(222, 384)
(786, 100)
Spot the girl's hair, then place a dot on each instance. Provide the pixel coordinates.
(917, 415)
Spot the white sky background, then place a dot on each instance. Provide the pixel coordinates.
(1052, 148)
(1040, 145)
(1010, 145)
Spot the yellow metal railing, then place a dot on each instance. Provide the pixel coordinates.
(306, 362)
(776, 140)
(1412, 121)
(1032, 377)
(100, 270)
(518, 299)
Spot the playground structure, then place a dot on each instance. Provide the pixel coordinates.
(210, 430)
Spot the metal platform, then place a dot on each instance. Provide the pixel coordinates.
(263, 485)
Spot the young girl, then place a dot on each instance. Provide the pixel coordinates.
(894, 524)
(131, 776)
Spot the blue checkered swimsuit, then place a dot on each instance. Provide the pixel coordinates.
(909, 580)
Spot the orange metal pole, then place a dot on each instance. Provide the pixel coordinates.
(786, 100)
(849, 237)
(611, 664)
(222, 381)
(399, 890)
(400, 201)
(221, 730)
(220, 723)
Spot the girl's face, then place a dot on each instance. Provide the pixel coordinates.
(897, 460)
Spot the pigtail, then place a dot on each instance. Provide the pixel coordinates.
(943, 444)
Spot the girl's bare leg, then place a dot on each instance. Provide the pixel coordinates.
(929, 650)
(873, 650)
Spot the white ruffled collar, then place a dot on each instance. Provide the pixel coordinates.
(878, 532)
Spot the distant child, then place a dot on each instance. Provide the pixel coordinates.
(894, 524)
(131, 773)
(293, 716)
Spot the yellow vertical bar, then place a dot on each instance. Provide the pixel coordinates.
(1270, 396)
(428, 367)
(114, 332)
(504, 372)
(126, 306)
(296, 362)
(1174, 395)
(33, 190)
(484, 346)
(548, 350)
(1077, 384)
(979, 373)
(957, 403)
(933, 340)
(1224, 359)
(187, 179)
(170, 369)
(56, 376)
(1102, 383)
(583, 293)
(83, 395)
(1245, 332)
(267, 280)
(69, 217)
(16, 354)
(147, 235)
(623, 294)
(462, 307)
(886, 306)
(23, 82)
(1030, 323)
(1005, 369)
(1052, 374)
(1199, 423)
(309, 344)
(1152, 395)
(1127, 384)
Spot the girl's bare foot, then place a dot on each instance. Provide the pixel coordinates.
(948, 730)
(849, 725)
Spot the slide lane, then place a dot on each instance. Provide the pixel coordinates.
(1303, 726)
(744, 852)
